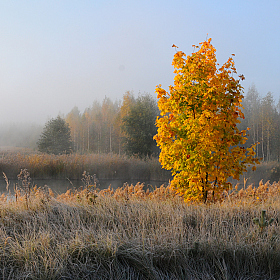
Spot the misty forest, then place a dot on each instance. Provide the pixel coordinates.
(116, 127)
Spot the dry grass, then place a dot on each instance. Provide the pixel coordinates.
(133, 233)
(105, 166)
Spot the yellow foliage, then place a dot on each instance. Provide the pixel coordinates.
(197, 130)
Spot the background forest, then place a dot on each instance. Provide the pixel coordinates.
(262, 115)
(127, 126)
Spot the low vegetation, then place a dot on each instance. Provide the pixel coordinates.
(133, 233)
(105, 166)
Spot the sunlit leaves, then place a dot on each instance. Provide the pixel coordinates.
(197, 130)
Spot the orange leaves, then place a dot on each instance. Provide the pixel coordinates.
(160, 92)
(242, 77)
(235, 115)
(197, 134)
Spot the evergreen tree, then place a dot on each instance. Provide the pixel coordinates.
(55, 138)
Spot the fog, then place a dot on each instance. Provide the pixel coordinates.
(24, 135)
(55, 55)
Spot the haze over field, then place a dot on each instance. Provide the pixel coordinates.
(58, 54)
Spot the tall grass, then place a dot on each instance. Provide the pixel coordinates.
(132, 233)
(105, 166)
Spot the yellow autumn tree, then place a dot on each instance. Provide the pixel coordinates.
(197, 130)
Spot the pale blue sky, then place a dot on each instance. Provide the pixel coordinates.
(58, 54)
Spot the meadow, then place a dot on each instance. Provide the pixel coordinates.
(134, 233)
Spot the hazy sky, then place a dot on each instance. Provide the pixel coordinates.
(55, 55)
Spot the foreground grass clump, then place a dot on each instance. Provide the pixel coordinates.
(132, 233)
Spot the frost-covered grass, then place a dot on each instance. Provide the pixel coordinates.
(130, 233)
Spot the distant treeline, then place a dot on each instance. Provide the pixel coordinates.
(121, 127)
(103, 128)
(127, 126)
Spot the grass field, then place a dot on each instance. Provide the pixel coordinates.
(129, 233)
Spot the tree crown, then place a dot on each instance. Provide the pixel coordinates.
(197, 133)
